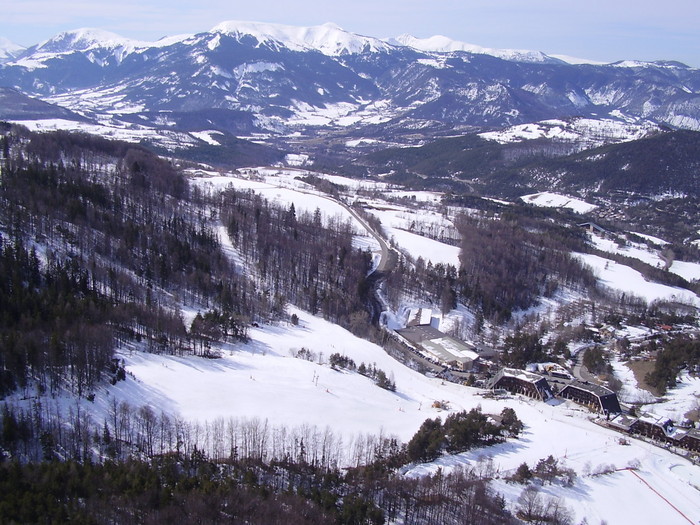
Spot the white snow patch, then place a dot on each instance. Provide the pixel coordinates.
(629, 281)
(295, 159)
(554, 200)
(328, 38)
(206, 136)
(655, 240)
(690, 271)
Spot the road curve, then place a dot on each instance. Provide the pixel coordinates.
(388, 256)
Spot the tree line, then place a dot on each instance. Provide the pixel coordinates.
(249, 460)
(301, 258)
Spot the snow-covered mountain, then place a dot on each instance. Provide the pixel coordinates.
(8, 50)
(443, 44)
(328, 38)
(247, 76)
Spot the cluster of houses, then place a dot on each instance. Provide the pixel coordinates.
(659, 429)
(422, 334)
(599, 399)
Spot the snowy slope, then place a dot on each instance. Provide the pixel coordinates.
(8, 49)
(629, 281)
(414, 230)
(328, 38)
(90, 38)
(97, 45)
(688, 270)
(588, 131)
(262, 380)
(443, 44)
(554, 200)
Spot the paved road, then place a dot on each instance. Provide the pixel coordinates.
(581, 372)
(389, 257)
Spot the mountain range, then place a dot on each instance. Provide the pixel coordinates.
(277, 80)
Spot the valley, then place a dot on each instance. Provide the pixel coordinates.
(300, 261)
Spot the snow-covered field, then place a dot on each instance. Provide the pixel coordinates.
(262, 380)
(587, 131)
(630, 392)
(678, 400)
(114, 130)
(405, 226)
(688, 270)
(629, 281)
(548, 199)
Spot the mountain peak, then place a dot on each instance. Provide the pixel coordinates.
(82, 40)
(8, 49)
(328, 38)
(443, 44)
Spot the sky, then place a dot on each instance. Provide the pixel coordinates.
(604, 30)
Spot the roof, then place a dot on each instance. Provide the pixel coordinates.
(622, 421)
(598, 390)
(440, 345)
(420, 317)
(449, 349)
(418, 334)
(522, 375)
(594, 226)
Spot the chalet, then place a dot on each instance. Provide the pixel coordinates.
(439, 347)
(521, 382)
(596, 397)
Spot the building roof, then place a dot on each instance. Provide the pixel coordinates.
(521, 374)
(419, 316)
(449, 349)
(418, 334)
(598, 390)
(593, 226)
(622, 421)
(440, 345)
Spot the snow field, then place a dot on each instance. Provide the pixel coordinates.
(688, 270)
(627, 280)
(397, 221)
(262, 380)
(548, 199)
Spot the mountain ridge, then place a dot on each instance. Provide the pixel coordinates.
(313, 79)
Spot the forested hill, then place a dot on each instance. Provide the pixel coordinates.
(102, 244)
(668, 162)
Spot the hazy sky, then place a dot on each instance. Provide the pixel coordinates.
(605, 30)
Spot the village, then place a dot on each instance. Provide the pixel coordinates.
(546, 382)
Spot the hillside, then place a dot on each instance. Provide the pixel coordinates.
(666, 162)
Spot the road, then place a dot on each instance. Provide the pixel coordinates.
(387, 263)
(581, 372)
(388, 259)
